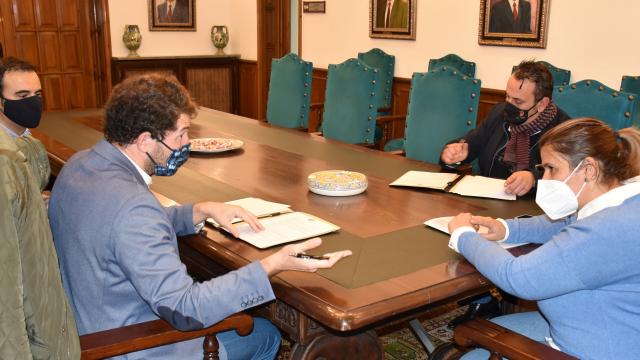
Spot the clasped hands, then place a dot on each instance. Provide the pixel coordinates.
(496, 229)
(281, 260)
(519, 183)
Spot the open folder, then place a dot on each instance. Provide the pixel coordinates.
(465, 185)
(281, 224)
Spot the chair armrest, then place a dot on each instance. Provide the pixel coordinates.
(381, 120)
(396, 152)
(503, 342)
(108, 343)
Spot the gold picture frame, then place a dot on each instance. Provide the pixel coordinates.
(525, 27)
(392, 20)
(172, 15)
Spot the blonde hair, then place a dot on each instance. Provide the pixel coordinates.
(617, 152)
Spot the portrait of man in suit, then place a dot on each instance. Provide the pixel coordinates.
(510, 16)
(392, 14)
(172, 11)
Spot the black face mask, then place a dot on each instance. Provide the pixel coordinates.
(517, 116)
(24, 112)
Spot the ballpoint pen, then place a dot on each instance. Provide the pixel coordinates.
(309, 257)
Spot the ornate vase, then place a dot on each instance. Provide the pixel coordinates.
(219, 37)
(132, 39)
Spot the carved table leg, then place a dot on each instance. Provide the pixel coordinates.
(328, 346)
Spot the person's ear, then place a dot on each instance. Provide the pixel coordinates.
(144, 142)
(542, 104)
(591, 169)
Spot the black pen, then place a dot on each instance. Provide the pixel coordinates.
(309, 257)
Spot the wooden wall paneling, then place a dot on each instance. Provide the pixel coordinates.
(49, 52)
(27, 47)
(248, 98)
(70, 52)
(23, 15)
(74, 93)
(69, 15)
(7, 31)
(46, 15)
(141, 71)
(211, 87)
(52, 86)
(318, 88)
(488, 98)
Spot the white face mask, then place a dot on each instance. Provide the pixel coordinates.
(556, 198)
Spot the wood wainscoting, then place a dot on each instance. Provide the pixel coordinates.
(211, 80)
(401, 88)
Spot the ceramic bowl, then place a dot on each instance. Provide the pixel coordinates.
(337, 182)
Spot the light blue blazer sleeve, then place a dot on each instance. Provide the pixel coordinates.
(182, 219)
(145, 248)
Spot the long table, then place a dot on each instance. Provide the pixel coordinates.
(399, 268)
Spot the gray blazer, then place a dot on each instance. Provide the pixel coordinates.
(119, 254)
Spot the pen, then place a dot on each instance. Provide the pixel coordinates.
(309, 257)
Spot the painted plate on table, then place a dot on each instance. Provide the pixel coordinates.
(337, 183)
(215, 145)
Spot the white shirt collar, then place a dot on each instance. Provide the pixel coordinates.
(13, 134)
(146, 177)
(609, 199)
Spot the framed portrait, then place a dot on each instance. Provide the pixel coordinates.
(172, 15)
(514, 23)
(392, 19)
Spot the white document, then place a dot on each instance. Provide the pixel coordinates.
(285, 228)
(433, 180)
(481, 186)
(442, 224)
(258, 207)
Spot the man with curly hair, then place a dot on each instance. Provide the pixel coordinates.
(117, 244)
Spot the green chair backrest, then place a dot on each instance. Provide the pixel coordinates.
(385, 64)
(465, 67)
(349, 106)
(443, 105)
(590, 98)
(289, 92)
(631, 84)
(560, 76)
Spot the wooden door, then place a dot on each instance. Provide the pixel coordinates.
(274, 41)
(55, 36)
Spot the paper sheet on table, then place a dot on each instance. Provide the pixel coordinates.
(258, 207)
(442, 224)
(481, 186)
(285, 228)
(432, 180)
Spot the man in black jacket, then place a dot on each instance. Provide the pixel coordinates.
(506, 142)
(510, 16)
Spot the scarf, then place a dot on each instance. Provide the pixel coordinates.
(516, 153)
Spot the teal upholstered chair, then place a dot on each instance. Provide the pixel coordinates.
(289, 92)
(349, 106)
(631, 84)
(443, 105)
(465, 67)
(590, 98)
(560, 76)
(385, 64)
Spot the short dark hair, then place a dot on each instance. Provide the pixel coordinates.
(151, 102)
(13, 64)
(538, 73)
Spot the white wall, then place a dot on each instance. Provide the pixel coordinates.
(168, 43)
(594, 39)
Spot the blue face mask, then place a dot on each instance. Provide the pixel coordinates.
(175, 160)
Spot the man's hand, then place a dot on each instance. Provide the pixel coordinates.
(496, 230)
(223, 214)
(285, 258)
(519, 183)
(455, 152)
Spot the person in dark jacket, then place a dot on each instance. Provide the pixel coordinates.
(506, 142)
(510, 16)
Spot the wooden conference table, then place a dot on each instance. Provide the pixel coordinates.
(399, 268)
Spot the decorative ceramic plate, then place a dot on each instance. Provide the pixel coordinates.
(337, 182)
(215, 145)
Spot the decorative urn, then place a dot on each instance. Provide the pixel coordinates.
(132, 39)
(219, 37)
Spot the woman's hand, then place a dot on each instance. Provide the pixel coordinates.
(496, 230)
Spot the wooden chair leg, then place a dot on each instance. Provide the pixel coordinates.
(211, 347)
